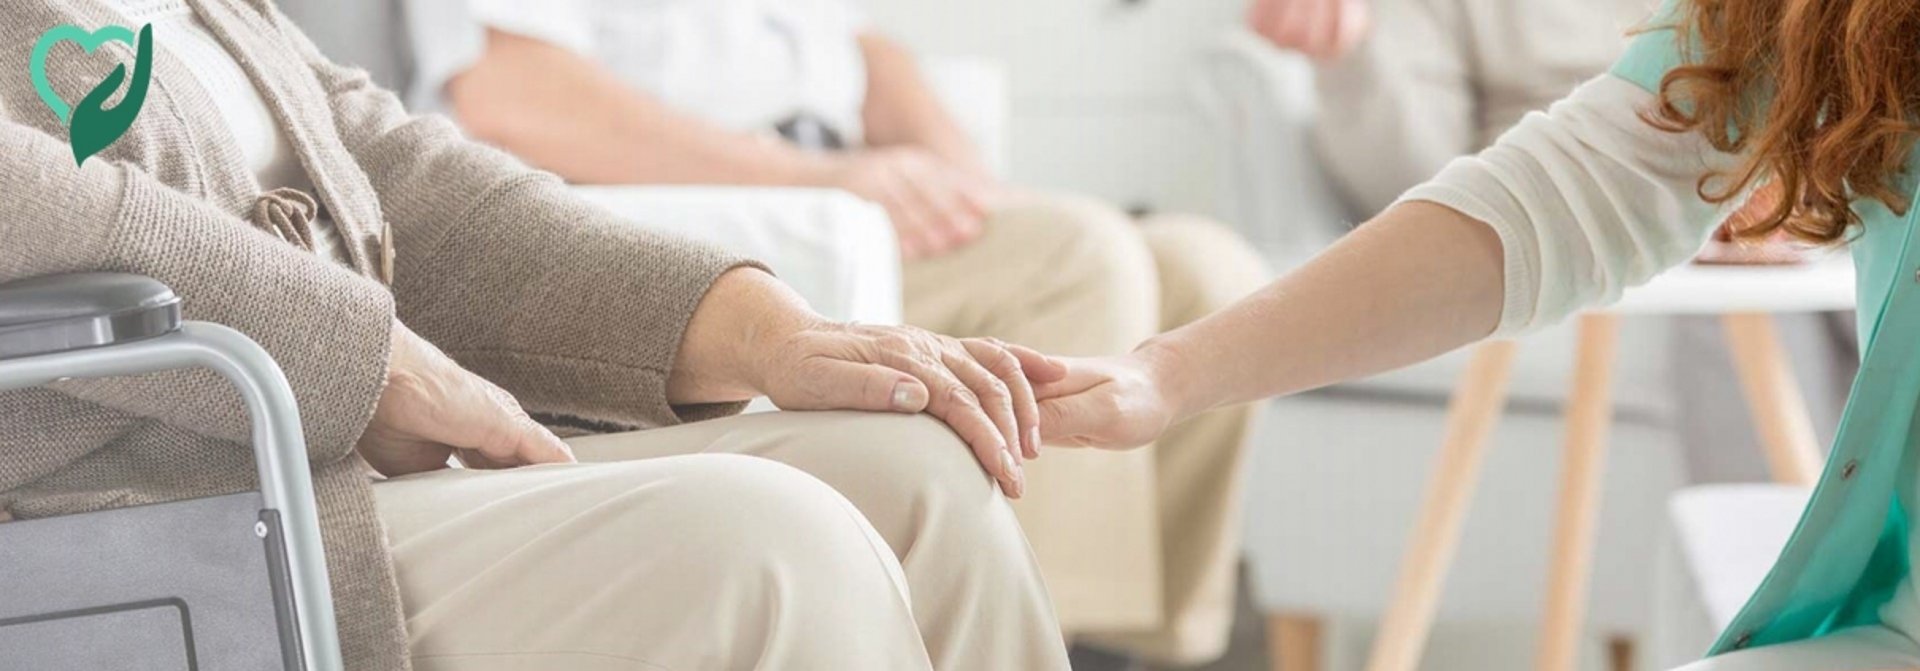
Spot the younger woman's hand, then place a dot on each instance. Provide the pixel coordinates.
(1107, 402)
(982, 388)
(432, 409)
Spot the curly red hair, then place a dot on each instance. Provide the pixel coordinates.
(1819, 95)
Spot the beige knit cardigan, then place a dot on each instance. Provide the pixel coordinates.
(574, 311)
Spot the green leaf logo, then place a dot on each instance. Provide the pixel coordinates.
(90, 126)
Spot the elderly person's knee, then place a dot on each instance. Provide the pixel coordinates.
(915, 463)
(745, 521)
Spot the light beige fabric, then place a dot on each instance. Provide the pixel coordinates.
(1439, 79)
(573, 310)
(771, 541)
(1139, 548)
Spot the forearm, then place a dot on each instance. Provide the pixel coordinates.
(1565, 211)
(566, 114)
(901, 109)
(110, 215)
(1417, 281)
(722, 356)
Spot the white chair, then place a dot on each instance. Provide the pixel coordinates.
(1337, 475)
(836, 250)
(1720, 542)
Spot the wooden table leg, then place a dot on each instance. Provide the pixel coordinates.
(1471, 416)
(1294, 642)
(1589, 409)
(1773, 398)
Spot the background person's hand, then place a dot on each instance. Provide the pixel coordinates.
(935, 206)
(432, 409)
(982, 388)
(1107, 402)
(1321, 29)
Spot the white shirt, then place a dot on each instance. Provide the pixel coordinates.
(747, 65)
(1588, 200)
(269, 156)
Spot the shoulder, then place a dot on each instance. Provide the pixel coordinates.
(1659, 46)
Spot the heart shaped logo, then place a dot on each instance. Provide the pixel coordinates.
(91, 126)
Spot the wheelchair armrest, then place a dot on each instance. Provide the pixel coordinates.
(97, 325)
(62, 313)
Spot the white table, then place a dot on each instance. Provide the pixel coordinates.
(1745, 298)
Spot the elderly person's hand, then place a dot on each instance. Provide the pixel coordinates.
(935, 206)
(1321, 29)
(980, 387)
(752, 336)
(432, 409)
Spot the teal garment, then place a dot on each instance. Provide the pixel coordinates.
(1849, 551)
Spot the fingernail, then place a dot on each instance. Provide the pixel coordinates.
(1010, 472)
(902, 396)
(1033, 442)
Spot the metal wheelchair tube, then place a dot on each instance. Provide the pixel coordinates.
(279, 447)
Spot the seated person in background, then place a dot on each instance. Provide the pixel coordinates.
(803, 93)
(446, 302)
(1407, 85)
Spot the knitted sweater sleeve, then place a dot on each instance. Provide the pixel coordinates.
(1588, 200)
(328, 328)
(574, 310)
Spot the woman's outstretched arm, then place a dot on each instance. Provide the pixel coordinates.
(1565, 211)
(1413, 283)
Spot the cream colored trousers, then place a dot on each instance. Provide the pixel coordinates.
(779, 541)
(1139, 548)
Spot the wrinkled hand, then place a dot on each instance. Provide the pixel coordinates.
(1321, 29)
(432, 409)
(935, 206)
(1107, 402)
(982, 388)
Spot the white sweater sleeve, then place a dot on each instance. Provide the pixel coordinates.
(1588, 200)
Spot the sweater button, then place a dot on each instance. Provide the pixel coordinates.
(1846, 471)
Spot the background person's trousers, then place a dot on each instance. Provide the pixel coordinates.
(1139, 548)
(776, 541)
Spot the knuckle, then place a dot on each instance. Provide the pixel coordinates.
(895, 341)
(879, 387)
(960, 396)
(1005, 363)
(999, 392)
